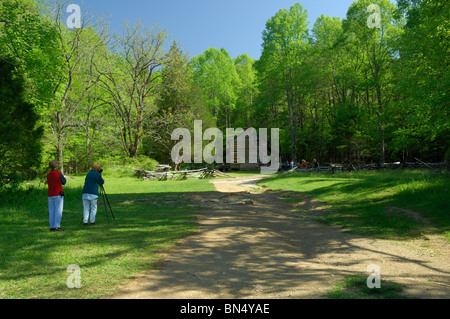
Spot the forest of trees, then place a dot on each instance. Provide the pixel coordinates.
(339, 91)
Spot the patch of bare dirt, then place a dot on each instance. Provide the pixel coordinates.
(410, 213)
(254, 244)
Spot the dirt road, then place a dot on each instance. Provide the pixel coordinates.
(253, 245)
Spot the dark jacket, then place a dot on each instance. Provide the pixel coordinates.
(93, 179)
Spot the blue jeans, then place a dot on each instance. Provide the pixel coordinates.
(55, 209)
(89, 203)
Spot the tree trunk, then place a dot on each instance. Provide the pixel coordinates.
(59, 142)
(381, 126)
(293, 123)
(60, 153)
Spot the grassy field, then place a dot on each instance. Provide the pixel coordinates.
(150, 218)
(395, 204)
(355, 287)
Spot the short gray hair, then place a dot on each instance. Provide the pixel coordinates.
(53, 164)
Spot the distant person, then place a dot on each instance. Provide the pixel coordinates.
(55, 181)
(304, 166)
(90, 193)
(292, 164)
(315, 164)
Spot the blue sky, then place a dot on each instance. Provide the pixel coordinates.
(235, 25)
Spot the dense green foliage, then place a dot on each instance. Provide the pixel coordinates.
(339, 90)
(346, 92)
(20, 147)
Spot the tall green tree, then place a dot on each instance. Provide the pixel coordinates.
(131, 79)
(329, 63)
(214, 71)
(79, 50)
(247, 90)
(374, 46)
(180, 102)
(423, 80)
(285, 43)
(20, 147)
(29, 41)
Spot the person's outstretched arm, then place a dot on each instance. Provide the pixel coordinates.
(63, 179)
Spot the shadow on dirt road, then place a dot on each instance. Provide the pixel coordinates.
(254, 245)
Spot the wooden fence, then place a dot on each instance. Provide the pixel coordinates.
(333, 168)
(180, 175)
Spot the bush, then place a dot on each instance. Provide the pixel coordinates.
(20, 146)
(123, 166)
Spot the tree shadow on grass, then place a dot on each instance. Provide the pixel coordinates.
(369, 205)
(240, 251)
(263, 251)
(140, 230)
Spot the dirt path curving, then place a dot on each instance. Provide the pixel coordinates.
(253, 245)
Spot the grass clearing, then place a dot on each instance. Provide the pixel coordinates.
(150, 219)
(398, 204)
(355, 287)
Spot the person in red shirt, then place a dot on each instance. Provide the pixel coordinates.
(304, 166)
(55, 181)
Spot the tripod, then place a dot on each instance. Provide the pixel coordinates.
(105, 200)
